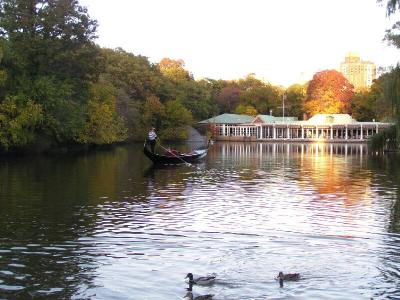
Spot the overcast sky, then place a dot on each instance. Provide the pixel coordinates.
(280, 41)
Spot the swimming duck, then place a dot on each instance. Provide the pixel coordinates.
(288, 277)
(189, 296)
(201, 280)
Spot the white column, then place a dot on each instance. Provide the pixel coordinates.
(361, 137)
(331, 132)
(346, 135)
(377, 128)
(274, 132)
(223, 129)
(302, 132)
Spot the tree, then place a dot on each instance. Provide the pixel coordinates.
(103, 126)
(329, 92)
(18, 122)
(196, 97)
(363, 106)
(249, 110)
(50, 59)
(49, 37)
(392, 89)
(174, 70)
(262, 98)
(136, 81)
(228, 98)
(393, 34)
(295, 98)
(391, 6)
(153, 112)
(132, 73)
(177, 117)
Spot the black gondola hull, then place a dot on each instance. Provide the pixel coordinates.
(192, 157)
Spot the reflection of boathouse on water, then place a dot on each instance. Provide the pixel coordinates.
(251, 150)
(241, 150)
(327, 127)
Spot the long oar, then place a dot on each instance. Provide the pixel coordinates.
(189, 164)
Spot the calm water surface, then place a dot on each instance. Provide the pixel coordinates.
(108, 225)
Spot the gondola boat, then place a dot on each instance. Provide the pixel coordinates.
(172, 157)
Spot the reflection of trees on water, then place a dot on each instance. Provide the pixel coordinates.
(53, 209)
(47, 204)
(168, 183)
(335, 172)
(387, 167)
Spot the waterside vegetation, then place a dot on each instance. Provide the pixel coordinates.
(58, 88)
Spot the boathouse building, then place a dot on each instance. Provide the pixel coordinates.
(325, 127)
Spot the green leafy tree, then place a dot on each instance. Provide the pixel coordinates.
(103, 126)
(392, 86)
(133, 74)
(262, 98)
(64, 118)
(249, 110)
(136, 81)
(295, 98)
(177, 118)
(19, 121)
(153, 112)
(50, 59)
(197, 98)
(364, 106)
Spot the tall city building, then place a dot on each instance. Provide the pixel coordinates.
(359, 73)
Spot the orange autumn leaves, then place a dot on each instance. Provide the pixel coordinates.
(329, 92)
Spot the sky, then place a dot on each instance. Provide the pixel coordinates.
(282, 42)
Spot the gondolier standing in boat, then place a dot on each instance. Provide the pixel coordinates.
(151, 139)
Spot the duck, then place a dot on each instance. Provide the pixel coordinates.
(288, 277)
(201, 280)
(189, 296)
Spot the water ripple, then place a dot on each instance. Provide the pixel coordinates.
(247, 213)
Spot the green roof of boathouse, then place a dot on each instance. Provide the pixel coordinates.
(228, 119)
(245, 119)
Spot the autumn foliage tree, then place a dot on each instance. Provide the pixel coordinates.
(174, 70)
(228, 98)
(328, 92)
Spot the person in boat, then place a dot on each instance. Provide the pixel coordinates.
(152, 138)
(172, 152)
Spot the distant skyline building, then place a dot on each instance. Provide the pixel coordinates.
(359, 73)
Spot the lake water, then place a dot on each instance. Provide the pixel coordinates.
(108, 225)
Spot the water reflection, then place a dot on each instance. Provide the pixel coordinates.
(109, 225)
(46, 206)
(333, 171)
